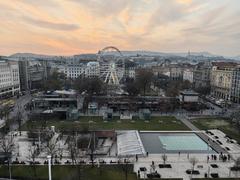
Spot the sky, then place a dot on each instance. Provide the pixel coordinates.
(67, 27)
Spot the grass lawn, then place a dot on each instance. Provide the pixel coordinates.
(165, 123)
(106, 172)
(218, 123)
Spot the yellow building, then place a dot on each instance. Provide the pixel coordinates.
(221, 79)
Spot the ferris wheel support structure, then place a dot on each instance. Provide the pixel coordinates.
(112, 65)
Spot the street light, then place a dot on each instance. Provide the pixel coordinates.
(49, 168)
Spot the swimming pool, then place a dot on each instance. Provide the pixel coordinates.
(174, 142)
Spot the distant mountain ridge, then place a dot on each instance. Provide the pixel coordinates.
(125, 53)
(32, 55)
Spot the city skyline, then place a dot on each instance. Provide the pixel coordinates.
(85, 26)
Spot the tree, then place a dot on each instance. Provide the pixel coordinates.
(4, 114)
(184, 84)
(125, 166)
(237, 162)
(144, 79)
(72, 149)
(52, 149)
(74, 153)
(164, 158)
(92, 148)
(7, 146)
(193, 161)
(7, 143)
(33, 152)
(54, 81)
(19, 118)
(132, 88)
(91, 86)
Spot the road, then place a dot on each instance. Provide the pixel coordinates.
(20, 103)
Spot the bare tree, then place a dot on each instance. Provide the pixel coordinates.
(164, 158)
(52, 149)
(125, 166)
(33, 152)
(144, 79)
(74, 153)
(89, 85)
(4, 114)
(193, 161)
(237, 162)
(152, 167)
(7, 146)
(72, 149)
(19, 117)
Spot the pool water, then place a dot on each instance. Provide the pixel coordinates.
(182, 142)
(173, 143)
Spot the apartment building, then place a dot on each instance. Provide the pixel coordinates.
(235, 89)
(224, 79)
(9, 78)
(201, 75)
(32, 73)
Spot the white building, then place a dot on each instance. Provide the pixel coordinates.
(9, 78)
(188, 75)
(92, 69)
(188, 96)
(75, 69)
(132, 73)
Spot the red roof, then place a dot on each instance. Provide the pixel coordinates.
(110, 133)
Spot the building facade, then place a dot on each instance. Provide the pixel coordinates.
(92, 69)
(33, 73)
(221, 79)
(201, 75)
(235, 88)
(176, 72)
(9, 78)
(188, 75)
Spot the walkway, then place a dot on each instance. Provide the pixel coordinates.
(203, 136)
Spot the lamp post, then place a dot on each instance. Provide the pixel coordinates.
(208, 149)
(49, 168)
(9, 166)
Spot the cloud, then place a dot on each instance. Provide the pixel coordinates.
(103, 8)
(73, 26)
(184, 1)
(166, 13)
(211, 24)
(51, 25)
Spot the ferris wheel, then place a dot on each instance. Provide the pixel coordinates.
(112, 65)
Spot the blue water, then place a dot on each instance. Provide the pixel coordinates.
(188, 141)
(157, 142)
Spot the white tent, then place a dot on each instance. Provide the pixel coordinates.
(129, 143)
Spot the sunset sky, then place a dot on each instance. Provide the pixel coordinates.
(67, 27)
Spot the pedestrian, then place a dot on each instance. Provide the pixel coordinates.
(179, 153)
(147, 154)
(207, 159)
(136, 157)
(229, 157)
(224, 158)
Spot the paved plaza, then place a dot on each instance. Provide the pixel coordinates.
(180, 162)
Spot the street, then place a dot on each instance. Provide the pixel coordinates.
(20, 103)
